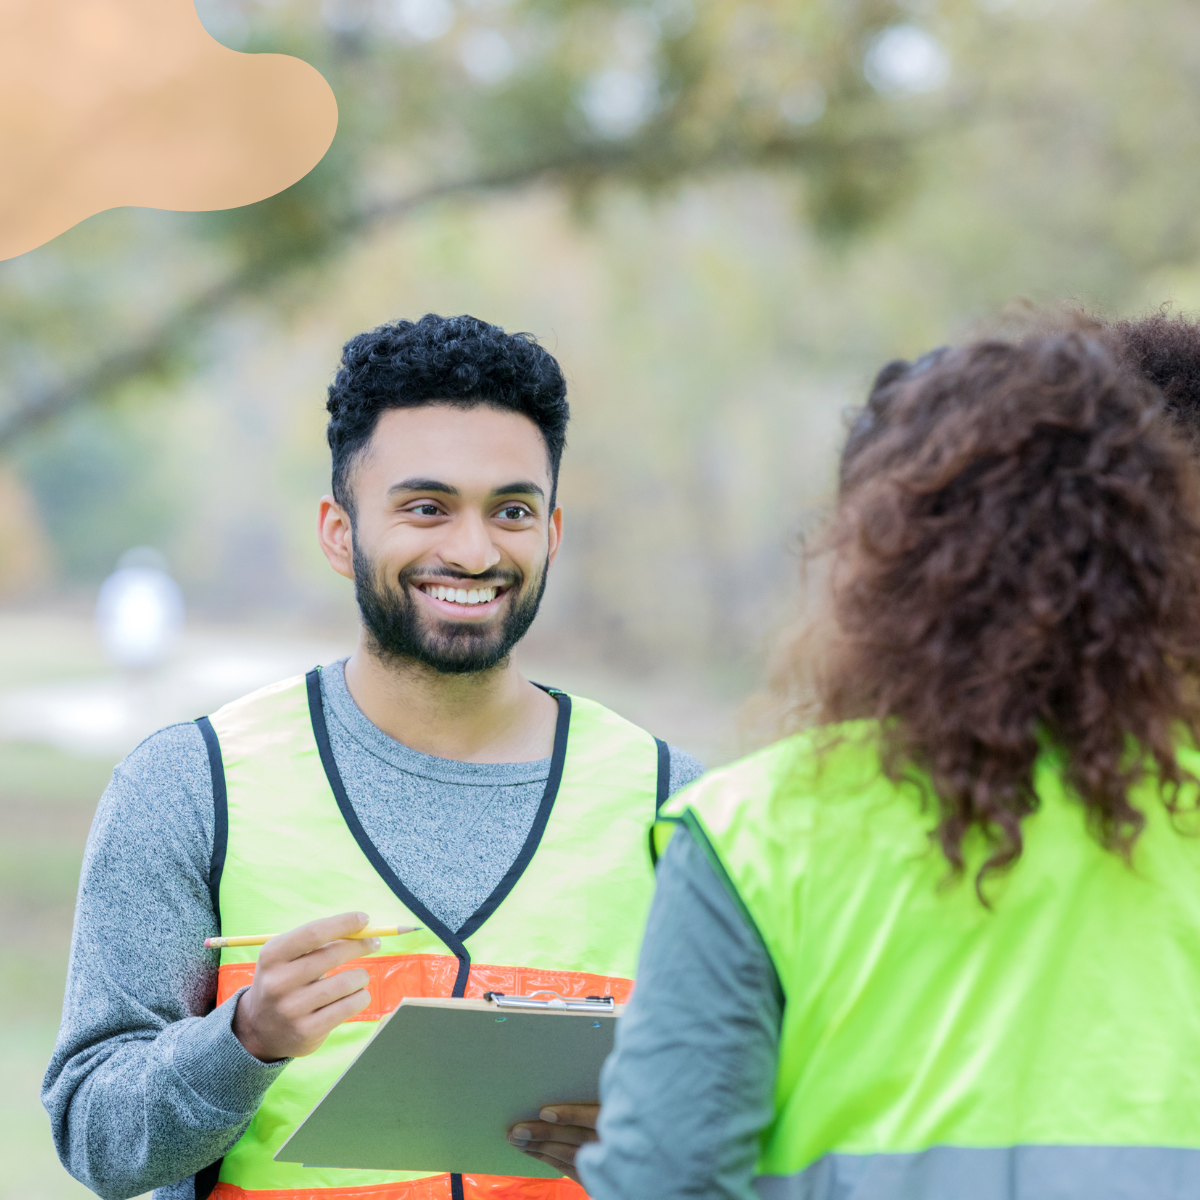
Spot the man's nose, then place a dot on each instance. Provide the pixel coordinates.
(468, 546)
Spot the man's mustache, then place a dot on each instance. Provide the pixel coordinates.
(506, 579)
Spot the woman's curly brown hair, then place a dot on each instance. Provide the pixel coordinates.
(1165, 349)
(1017, 559)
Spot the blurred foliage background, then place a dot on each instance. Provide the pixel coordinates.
(721, 216)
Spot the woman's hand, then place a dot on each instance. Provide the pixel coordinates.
(554, 1139)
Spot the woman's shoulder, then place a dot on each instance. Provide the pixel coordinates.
(795, 773)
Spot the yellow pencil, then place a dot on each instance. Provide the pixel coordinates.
(261, 939)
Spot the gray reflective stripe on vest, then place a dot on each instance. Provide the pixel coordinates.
(1008, 1173)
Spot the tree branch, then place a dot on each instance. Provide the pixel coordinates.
(153, 348)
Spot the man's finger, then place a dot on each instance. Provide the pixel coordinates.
(285, 978)
(332, 987)
(571, 1114)
(324, 960)
(318, 1024)
(566, 1166)
(306, 938)
(540, 1131)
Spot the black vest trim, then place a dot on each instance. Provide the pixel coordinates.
(220, 814)
(663, 788)
(562, 727)
(316, 710)
(206, 1180)
(454, 939)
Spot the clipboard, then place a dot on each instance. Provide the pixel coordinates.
(442, 1080)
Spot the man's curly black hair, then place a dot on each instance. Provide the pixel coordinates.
(460, 361)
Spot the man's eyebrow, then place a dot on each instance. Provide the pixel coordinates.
(423, 485)
(523, 487)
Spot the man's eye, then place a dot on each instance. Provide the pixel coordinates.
(514, 512)
(425, 510)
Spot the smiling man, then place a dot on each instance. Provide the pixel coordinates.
(422, 781)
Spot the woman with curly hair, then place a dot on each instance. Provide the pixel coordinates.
(945, 945)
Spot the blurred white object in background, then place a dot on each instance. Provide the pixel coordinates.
(139, 611)
(487, 56)
(906, 59)
(617, 102)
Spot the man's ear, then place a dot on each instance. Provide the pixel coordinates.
(335, 532)
(554, 534)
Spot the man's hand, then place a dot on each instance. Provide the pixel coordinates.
(293, 1003)
(554, 1139)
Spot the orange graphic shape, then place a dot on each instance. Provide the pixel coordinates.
(105, 103)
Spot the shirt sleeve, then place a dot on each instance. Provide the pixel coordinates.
(148, 1083)
(688, 1088)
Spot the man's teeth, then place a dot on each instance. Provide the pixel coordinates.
(460, 595)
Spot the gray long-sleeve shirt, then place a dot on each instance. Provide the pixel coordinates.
(148, 1084)
(689, 1086)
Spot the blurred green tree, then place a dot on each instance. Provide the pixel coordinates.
(438, 98)
(829, 183)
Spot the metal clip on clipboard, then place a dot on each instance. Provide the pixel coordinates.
(588, 1004)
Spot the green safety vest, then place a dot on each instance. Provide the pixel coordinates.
(933, 1049)
(568, 915)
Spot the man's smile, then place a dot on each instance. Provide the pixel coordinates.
(477, 603)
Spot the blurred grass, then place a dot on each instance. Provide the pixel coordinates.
(46, 803)
(45, 649)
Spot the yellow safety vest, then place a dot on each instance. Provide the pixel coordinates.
(932, 1047)
(568, 915)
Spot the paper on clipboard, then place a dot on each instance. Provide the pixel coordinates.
(439, 1084)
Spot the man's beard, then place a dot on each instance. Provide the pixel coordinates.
(399, 630)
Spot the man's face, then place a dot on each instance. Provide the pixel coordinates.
(452, 535)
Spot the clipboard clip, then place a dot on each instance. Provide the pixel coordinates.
(587, 1004)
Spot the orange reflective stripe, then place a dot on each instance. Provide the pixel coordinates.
(510, 1187)
(520, 981)
(431, 1187)
(394, 976)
